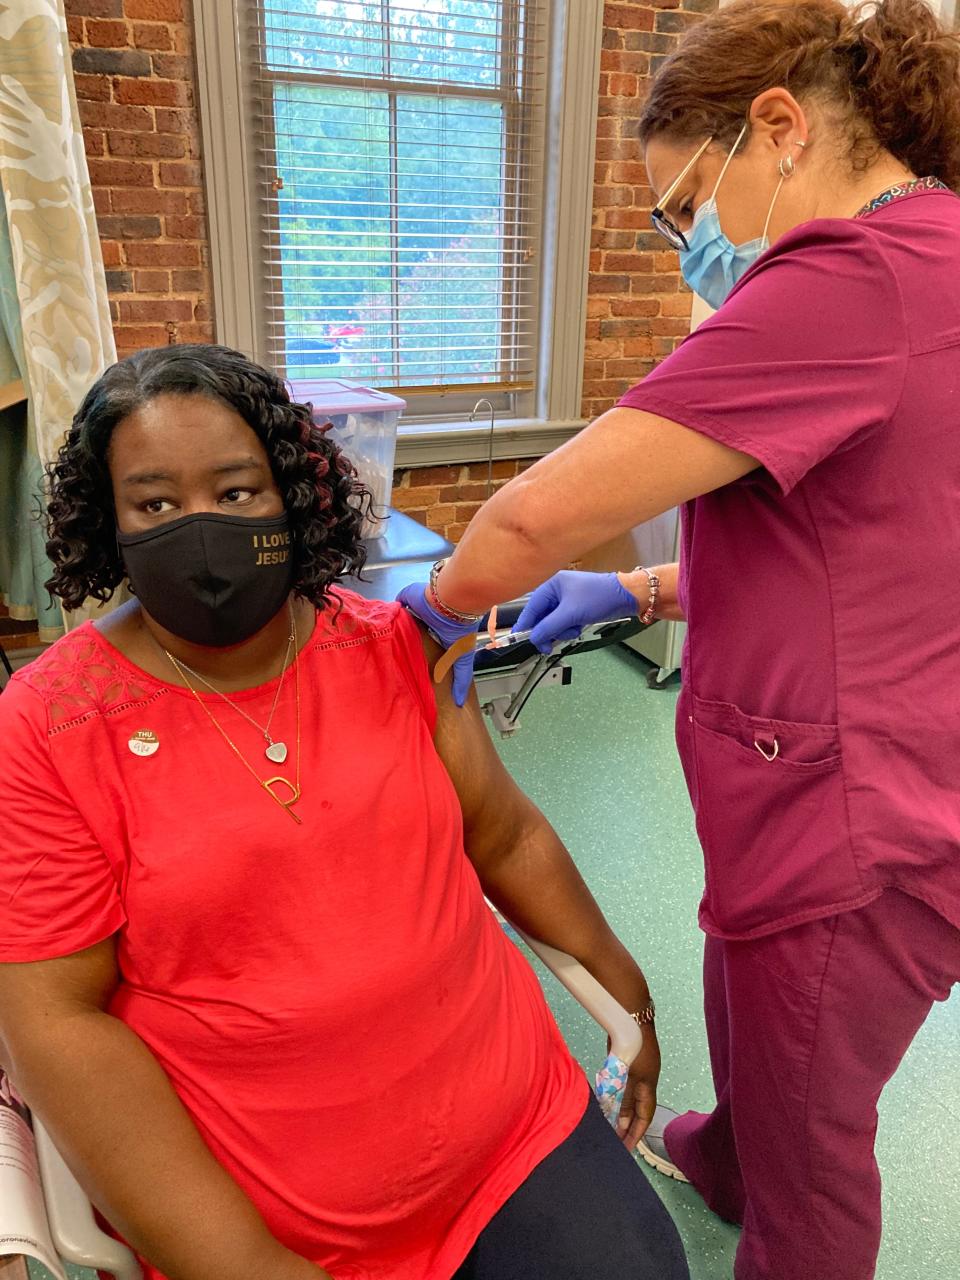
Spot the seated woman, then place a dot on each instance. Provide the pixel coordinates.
(248, 978)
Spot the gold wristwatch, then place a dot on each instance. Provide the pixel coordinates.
(644, 1016)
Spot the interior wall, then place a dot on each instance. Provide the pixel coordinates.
(135, 74)
(133, 62)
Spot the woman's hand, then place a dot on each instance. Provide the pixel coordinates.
(640, 1096)
(570, 601)
(446, 632)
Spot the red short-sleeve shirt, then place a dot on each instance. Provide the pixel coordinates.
(822, 591)
(314, 993)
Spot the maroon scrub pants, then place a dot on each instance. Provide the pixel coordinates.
(805, 1028)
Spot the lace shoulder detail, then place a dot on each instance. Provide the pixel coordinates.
(77, 679)
(352, 619)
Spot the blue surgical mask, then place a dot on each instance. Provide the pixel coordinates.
(713, 264)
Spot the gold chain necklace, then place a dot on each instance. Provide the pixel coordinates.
(276, 752)
(268, 784)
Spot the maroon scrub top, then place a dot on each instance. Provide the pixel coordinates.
(819, 723)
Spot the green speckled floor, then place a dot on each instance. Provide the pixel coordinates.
(599, 759)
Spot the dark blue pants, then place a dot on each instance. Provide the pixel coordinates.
(586, 1212)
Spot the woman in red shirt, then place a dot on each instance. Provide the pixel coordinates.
(805, 161)
(249, 980)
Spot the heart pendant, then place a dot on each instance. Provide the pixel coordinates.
(277, 752)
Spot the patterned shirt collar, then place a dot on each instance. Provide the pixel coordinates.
(898, 191)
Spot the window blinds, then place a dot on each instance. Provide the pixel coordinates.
(396, 170)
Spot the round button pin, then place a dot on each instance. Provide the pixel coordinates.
(144, 743)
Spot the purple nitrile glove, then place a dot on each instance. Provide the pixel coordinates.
(446, 632)
(570, 601)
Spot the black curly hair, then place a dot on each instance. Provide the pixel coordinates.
(325, 502)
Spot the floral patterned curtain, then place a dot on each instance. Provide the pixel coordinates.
(57, 318)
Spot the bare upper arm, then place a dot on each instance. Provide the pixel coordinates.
(625, 468)
(33, 993)
(494, 808)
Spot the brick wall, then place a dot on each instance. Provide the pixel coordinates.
(133, 62)
(638, 307)
(447, 498)
(134, 68)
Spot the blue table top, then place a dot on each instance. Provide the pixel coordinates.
(405, 539)
(384, 581)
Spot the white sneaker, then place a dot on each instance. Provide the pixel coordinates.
(653, 1148)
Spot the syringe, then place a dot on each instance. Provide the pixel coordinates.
(507, 641)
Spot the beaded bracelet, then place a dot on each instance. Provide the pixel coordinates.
(650, 613)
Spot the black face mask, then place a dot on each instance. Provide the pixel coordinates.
(213, 580)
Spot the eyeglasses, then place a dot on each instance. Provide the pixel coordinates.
(665, 225)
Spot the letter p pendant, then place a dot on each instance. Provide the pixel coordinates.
(268, 785)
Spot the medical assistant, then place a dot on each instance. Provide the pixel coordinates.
(819, 722)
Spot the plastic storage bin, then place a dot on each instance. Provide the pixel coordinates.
(364, 425)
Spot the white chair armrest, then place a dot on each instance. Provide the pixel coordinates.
(73, 1228)
(626, 1038)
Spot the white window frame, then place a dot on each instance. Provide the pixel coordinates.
(545, 418)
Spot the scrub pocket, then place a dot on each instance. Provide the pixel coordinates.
(771, 816)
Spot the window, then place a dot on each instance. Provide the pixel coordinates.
(400, 195)
(397, 189)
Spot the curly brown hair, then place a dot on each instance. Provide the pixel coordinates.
(890, 71)
(325, 503)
